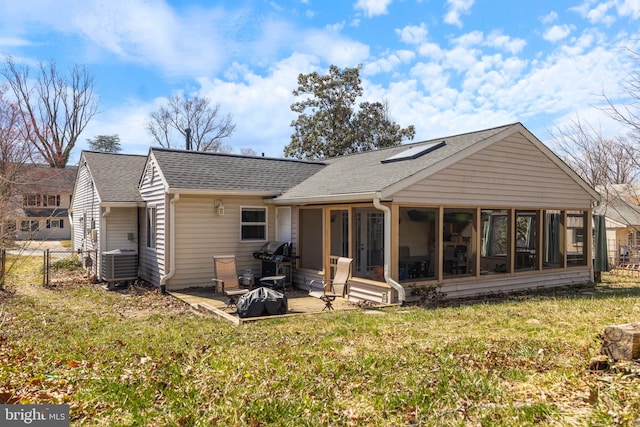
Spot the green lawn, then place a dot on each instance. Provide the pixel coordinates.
(145, 359)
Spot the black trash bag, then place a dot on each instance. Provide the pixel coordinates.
(262, 302)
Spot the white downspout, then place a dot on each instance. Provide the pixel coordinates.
(103, 229)
(172, 244)
(387, 249)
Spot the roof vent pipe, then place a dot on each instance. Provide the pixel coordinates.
(187, 136)
(387, 250)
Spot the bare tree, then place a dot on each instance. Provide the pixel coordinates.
(629, 113)
(15, 155)
(600, 161)
(248, 151)
(54, 108)
(194, 116)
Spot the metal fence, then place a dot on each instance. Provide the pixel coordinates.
(60, 266)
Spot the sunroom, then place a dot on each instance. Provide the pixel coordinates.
(485, 212)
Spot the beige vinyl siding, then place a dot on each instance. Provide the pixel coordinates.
(201, 233)
(117, 225)
(510, 173)
(516, 282)
(152, 261)
(471, 287)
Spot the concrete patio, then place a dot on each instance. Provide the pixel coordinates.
(298, 303)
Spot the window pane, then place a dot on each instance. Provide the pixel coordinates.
(339, 233)
(552, 256)
(459, 235)
(253, 224)
(417, 244)
(526, 240)
(254, 215)
(494, 248)
(368, 229)
(310, 239)
(151, 227)
(253, 232)
(576, 232)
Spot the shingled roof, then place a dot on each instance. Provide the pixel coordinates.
(620, 211)
(194, 170)
(369, 172)
(43, 179)
(116, 176)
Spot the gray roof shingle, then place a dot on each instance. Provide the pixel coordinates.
(195, 170)
(116, 176)
(620, 211)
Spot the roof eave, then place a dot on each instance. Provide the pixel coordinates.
(203, 192)
(327, 199)
(129, 204)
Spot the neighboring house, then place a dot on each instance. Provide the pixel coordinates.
(42, 200)
(477, 213)
(622, 219)
(105, 203)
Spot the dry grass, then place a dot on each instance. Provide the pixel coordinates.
(141, 358)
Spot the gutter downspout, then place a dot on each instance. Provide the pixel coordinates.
(172, 244)
(387, 249)
(103, 228)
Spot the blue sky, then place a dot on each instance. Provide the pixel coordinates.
(445, 66)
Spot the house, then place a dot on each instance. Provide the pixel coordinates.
(106, 202)
(478, 213)
(43, 196)
(622, 219)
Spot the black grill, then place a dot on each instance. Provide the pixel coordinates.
(272, 254)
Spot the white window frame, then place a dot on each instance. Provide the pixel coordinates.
(152, 222)
(33, 225)
(253, 224)
(31, 200)
(54, 199)
(55, 223)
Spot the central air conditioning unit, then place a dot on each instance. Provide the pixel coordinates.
(119, 265)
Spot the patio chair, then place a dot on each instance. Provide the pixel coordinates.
(226, 274)
(328, 293)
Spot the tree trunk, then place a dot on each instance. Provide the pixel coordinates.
(622, 342)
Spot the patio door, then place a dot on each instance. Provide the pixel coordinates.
(369, 243)
(338, 237)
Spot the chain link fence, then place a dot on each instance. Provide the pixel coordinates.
(63, 266)
(58, 266)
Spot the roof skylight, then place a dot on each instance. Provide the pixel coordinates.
(414, 152)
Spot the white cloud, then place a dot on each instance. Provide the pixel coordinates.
(14, 41)
(498, 40)
(373, 7)
(431, 50)
(456, 8)
(629, 8)
(260, 105)
(332, 47)
(604, 12)
(549, 18)
(388, 63)
(413, 34)
(557, 32)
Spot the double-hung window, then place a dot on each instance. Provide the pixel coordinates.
(55, 223)
(253, 223)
